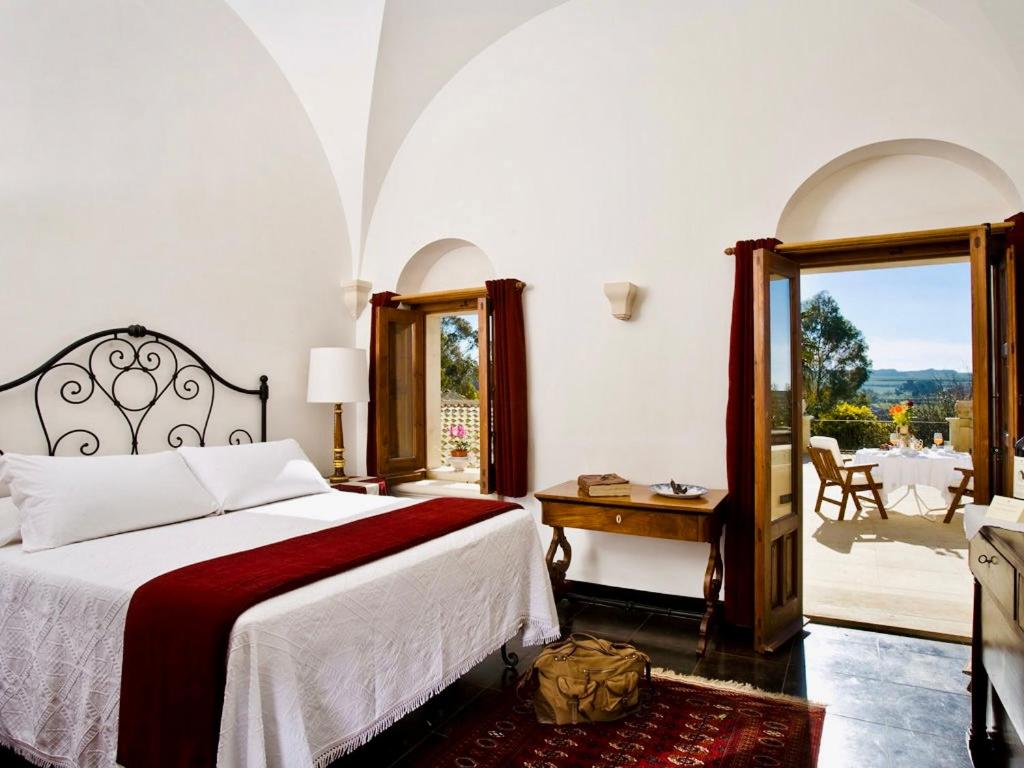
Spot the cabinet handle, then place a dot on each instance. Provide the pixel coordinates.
(986, 560)
(618, 519)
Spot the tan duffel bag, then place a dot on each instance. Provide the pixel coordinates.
(583, 679)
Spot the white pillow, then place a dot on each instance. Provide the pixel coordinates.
(5, 490)
(250, 475)
(10, 522)
(62, 500)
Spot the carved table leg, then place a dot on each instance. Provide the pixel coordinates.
(557, 570)
(712, 588)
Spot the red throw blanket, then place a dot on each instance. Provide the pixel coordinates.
(178, 625)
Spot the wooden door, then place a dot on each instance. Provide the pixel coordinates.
(401, 394)
(1011, 366)
(1003, 380)
(778, 413)
(981, 363)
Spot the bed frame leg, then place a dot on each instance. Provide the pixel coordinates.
(511, 659)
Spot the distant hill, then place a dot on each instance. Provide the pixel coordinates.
(943, 374)
(882, 383)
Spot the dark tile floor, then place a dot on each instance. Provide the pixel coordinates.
(893, 702)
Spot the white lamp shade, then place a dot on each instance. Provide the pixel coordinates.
(338, 375)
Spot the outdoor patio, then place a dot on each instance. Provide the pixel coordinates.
(909, 572)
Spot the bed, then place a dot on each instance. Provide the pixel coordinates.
(310, 674)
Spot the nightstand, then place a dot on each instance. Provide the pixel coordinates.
(375, 486)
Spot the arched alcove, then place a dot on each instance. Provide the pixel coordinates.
(444, 265)
(900, 185)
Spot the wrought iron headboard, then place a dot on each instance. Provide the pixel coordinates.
(146, 353)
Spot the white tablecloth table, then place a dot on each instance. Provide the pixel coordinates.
(937, 469)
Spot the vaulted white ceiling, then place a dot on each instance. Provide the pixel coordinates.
(366, 69)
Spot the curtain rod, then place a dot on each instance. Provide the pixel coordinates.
(455, 295)
(891, 239)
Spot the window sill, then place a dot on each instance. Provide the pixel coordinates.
(449, 475)
(431, 487)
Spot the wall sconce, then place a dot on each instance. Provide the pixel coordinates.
(356, 294)
(621, 297)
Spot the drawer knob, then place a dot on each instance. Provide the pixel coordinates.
(986, 560)
(618, 519)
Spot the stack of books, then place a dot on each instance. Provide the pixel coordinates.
(603, 485)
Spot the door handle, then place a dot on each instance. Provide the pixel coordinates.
(986, 560)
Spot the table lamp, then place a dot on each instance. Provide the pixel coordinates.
(338, 375)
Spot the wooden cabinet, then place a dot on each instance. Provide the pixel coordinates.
(997, 562)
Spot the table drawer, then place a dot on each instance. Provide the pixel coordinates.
(996, 574)
(636, 522)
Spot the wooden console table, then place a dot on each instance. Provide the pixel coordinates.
(642, 513)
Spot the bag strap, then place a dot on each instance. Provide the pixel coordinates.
(606, 647)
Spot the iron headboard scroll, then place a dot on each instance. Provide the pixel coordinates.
(163, 363)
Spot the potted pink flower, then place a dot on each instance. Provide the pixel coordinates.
(458, 455)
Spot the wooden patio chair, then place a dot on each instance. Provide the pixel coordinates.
(843, 477)
(965, 488)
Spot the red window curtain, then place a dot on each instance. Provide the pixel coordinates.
(1015, 236)
(509, 388)
(384, 299)
(739, 442)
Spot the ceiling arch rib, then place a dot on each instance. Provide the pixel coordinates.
(423, 44)
(327, 50)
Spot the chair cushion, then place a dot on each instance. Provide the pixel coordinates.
(820, 441)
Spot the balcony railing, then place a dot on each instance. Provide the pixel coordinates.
(853, 434)
(466, 413)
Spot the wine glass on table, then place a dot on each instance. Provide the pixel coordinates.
(938, 440)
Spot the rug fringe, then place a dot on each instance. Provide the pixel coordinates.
(733, 685)
(398, 712)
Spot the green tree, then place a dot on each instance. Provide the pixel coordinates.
(460, 359)
(935, 404)
(835, 355)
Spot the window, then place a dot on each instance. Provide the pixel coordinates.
(432, 395)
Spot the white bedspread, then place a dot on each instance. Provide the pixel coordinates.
(311, 674)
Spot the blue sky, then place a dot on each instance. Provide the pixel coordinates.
(912, 317)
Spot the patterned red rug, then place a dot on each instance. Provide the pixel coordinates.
(686, 722)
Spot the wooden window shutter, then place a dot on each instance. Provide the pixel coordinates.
(400, 394)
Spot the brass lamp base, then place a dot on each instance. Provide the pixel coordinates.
(338, 476)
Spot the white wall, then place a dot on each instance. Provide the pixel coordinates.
(444, 265)
(157, 169)
(328, 51)
(605, 141)
(898, 186)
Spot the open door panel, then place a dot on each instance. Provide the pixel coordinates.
(401, 395)
(995, 328)
(778, 604)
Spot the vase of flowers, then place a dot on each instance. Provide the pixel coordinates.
(900, 414)
(458, 454)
